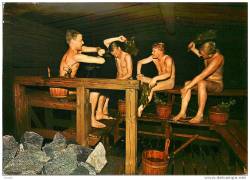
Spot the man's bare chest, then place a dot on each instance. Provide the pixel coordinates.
(121, 62)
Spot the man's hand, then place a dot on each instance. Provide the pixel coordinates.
(152, 83)
(122, 38)
(191, 46)
(100, 52)
(139, 76)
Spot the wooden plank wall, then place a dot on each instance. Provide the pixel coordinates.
(28, 49)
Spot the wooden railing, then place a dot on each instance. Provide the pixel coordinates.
(82, 86)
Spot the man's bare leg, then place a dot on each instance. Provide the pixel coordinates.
(93, 101)
(105, 108)
(202, 99)
(168, 84)
(203, 87)
(184, 105)
(99, 113)
(139, 110)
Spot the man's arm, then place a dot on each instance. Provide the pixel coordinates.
(128, 60)
(191, 47)
(89, 59)
(90, 49)
(107, 42)
(210, 69)
(87, 49)
(141, 62)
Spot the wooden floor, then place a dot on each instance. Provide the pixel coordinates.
(196, 159)
(199, 158)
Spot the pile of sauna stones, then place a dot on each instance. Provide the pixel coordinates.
(55, 158)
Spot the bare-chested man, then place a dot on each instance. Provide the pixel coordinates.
(123, 59)
(71, 61)
(210, 79)
(166, 72)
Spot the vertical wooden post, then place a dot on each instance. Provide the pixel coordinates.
(21, 109)
(82, 116)
(131, 131)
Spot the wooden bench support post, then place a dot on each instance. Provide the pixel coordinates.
(21, 110)
(82, 116)
(131, 131)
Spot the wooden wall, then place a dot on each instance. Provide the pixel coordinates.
(28, 49)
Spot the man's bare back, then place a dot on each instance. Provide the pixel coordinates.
(217, 76)
(69, 66)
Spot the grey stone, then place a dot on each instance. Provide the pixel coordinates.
(10, 147)
(97, 158)
(63, 163)
(32, 140)
(57, 145)
(84, 169)
(26, 162)
(84, 153)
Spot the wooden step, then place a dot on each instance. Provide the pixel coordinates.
(43, 99)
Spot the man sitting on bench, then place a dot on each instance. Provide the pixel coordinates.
(70, 63)
(210, 79)
(165, 78)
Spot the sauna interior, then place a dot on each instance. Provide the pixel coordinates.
(34, 41)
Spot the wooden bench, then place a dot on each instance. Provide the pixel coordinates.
(44, 100)
(153, 126)
(224, 131)
(82, 87)
(83, 116)
(225, 92)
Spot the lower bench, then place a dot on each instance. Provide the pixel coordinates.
(96, 135)
(43, 99)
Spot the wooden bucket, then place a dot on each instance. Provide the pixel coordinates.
(217, 117)
(155, 162)
(163, 111)
(58, 92)
(121, 107)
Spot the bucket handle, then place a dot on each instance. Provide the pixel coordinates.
(48, 69)
(167, 143)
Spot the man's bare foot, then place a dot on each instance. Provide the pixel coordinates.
(179, 116)
(103, 116)
(140, 109)
(97, 124)
(197, 119)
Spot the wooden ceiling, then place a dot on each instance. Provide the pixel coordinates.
(109, 18)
